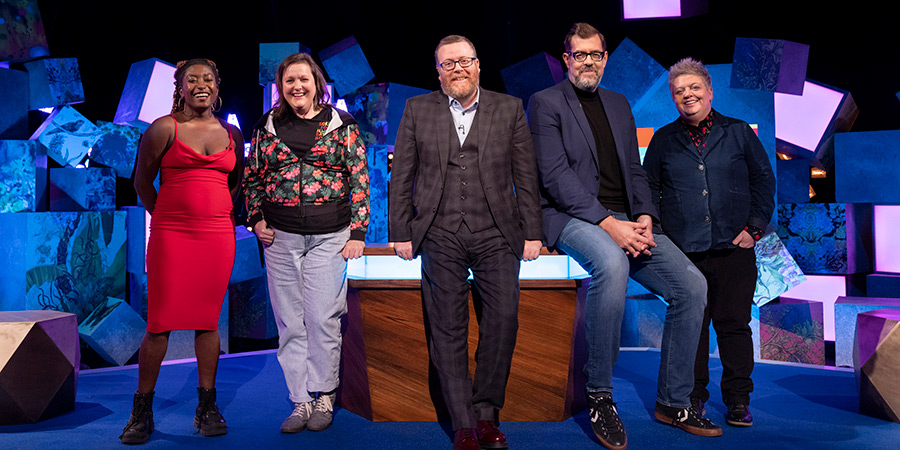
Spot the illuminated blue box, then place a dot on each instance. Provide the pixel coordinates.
(658, 9)
(845, 312)
(68, 136)
(772, 65)
(136, 225)
(828, 238)
(271, 55)
(867, 164)
(13, 104)
(633, 73)
(147, 95)
(87, 189)
(54, 82)
(117, 147)
(14, 229)
(247, 261)
(137, 292)
(346, 64)
(251, 314)
(113, 330)
(531, 75)
(793, 181)
(18, 176)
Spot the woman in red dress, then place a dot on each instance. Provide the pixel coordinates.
(191, 249)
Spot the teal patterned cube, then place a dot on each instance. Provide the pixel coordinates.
(54, 82)
(14, 229)
(117, 147)
(73, 260)
(87, 189)
(18, 176)
(827, 238)
(67, 135)
(777, 272)
(114, 331)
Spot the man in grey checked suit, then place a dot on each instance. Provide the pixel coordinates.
(464, 195)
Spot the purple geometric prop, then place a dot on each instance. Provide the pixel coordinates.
(117, 148)
(54, 82)
(658, 9)
(23, 31)
(147, 94)
(772, 65)
(876, 363)
(67, 135)
(13, 104)
(531, 75)
(791, 330)
(39, 363)
(827, 238)
(271, 55)
(87, 189)
(346, 65)
(805, 124)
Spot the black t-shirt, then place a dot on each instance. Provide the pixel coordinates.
(612, 191)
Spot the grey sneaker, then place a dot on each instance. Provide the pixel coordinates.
(320, 418)
(298, 419)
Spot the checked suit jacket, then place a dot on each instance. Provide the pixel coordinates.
(506, 163)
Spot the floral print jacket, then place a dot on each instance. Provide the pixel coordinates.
(334, 170)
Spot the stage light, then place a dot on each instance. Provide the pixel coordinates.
(232, 119)
(650, 9)
(47, 110)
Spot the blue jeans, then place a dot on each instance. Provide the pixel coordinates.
(308, 289)
(667, 273)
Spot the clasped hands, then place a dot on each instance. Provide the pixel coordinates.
(635, 238)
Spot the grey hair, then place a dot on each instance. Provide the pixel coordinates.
(689, 66)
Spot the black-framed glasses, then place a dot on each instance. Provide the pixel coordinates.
(581, 56)
(450, 64)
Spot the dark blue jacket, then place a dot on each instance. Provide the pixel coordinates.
(705, 200)
(567, 158)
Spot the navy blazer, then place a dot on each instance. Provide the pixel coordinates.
(706, 199)
(505, 160)
(568, 170)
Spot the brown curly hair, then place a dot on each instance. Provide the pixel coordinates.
(180, 68)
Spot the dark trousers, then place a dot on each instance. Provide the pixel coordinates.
(446, 260)
(731, 280)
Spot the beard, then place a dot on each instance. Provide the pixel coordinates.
(460, 90)
(587, 82)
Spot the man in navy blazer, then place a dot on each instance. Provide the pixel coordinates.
(464, 195)
(597, 208)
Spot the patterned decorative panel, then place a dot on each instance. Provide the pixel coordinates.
(18, 176)
(346, 65)
(777, 271)
(54, 82)
(67, 135)
(792, 331)
(117, 147)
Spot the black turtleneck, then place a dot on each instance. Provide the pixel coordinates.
(612, 191)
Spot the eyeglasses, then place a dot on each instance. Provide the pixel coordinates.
(450, 64)
(595, 56)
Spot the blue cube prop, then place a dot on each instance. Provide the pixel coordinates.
(643, 322)
(247, 261)
(13, 104)
(633, 73)
(271, 55)
(117, 147)
(23, 36)
(114, 331)
(251, 314)
(793, 181)
(860, 159)
(845, 314)
(772, 65)
(87, 189)
(777, 272)
(68, 136)
(73, 260)
(827, 238)
(14, 229)
(54, 82)
(531, 75)
(181, 342)
(18, 176)
(883, 285)
(754, 329)
(137, 292)
(147, 94)
(346, 65)
(378, 109)
(807, 123)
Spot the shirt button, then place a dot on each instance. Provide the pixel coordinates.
(462, 197)
(700, 167)
(462, 167)
(463, 213)
(462, 155)
(705, 192)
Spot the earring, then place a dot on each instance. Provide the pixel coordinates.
(179, 104)
(219, 103)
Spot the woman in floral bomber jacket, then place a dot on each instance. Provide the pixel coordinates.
(307, 190)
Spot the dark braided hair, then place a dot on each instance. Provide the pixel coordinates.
(180, 68)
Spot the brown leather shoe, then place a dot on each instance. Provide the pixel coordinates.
(465, 439)
(489, 436)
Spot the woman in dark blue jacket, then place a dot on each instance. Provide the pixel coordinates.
(713, 186)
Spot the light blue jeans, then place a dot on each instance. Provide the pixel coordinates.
(667, 273)
(308, 290)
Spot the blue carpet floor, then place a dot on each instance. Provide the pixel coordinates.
(793, 407)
